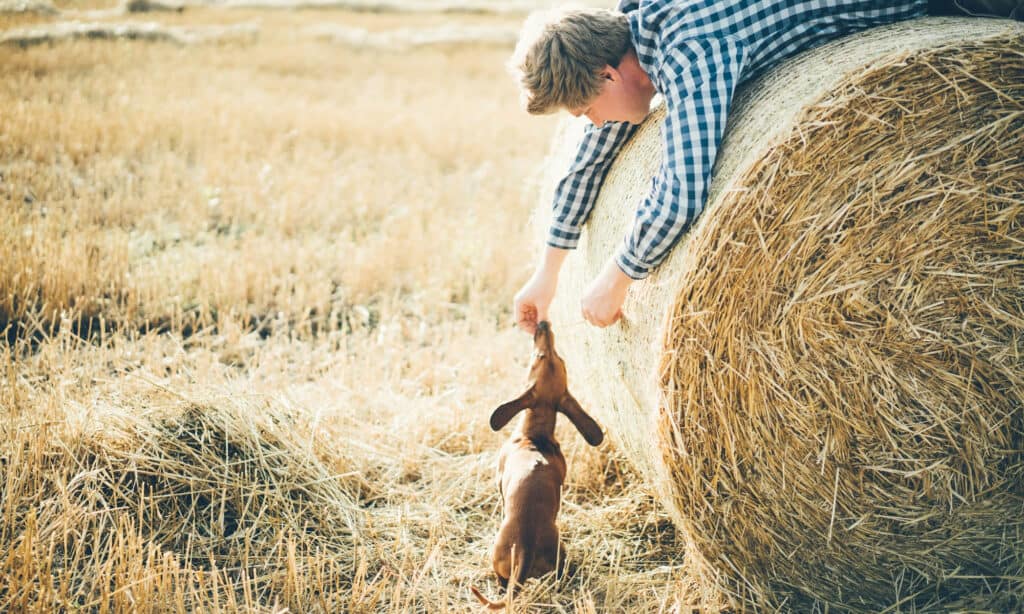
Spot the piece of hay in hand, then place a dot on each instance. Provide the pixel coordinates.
(823, 382)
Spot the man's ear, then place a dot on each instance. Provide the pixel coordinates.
(507, 411)
(586, 425)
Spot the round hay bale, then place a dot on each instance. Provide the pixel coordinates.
(231, 500)
(823, 384)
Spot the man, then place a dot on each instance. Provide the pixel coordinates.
(608, 65)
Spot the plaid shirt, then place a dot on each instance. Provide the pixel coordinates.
(695, 53)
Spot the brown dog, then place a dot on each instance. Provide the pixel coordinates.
(531, 470)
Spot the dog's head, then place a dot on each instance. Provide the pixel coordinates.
(548, 390)
(547, 373)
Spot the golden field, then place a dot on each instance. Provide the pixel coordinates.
(256, 300)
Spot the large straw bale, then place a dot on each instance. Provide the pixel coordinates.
(823, 383)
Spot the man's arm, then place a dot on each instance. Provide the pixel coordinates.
(577, 191)
(574, 199)
(700, 76)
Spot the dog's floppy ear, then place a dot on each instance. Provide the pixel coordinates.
(507, 411)
(569, 406)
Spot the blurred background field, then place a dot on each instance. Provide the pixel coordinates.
(255, 296)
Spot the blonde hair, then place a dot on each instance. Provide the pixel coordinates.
(561, 52)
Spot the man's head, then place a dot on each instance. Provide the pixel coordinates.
(581, 60)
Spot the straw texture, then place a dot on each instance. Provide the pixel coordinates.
(823, 383)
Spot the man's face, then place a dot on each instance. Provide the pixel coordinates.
(625, 96)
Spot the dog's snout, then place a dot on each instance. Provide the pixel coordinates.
(542, 338)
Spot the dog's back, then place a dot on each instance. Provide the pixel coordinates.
(531, 485)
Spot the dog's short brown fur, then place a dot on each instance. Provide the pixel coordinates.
(531, 469)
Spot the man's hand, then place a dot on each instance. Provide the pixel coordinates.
(532, 301)
(602, 302)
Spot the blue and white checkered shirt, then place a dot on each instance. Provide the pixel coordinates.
(695, 53)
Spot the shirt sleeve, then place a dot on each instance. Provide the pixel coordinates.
(577, 191)
(699, 76)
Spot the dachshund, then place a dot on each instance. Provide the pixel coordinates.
(531, 469)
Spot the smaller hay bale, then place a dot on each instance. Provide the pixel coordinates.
(230, 487)
(217, 472)
(263, 474)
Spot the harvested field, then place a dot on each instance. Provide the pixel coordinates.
(828, 365)
(255, 302)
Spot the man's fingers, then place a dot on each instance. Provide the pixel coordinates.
(598, 321)
(527, 318)
(592, 318)
(606, 322)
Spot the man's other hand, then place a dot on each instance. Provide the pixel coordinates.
(602, 302)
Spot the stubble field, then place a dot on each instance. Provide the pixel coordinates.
(256, 303)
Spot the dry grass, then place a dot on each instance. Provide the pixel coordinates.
(308, 154)
(255, 302)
